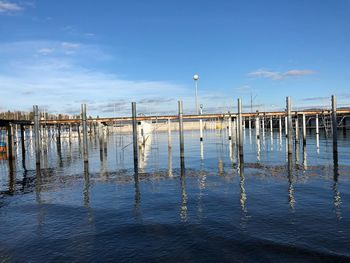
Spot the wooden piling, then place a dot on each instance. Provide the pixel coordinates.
(240, 130)
(317, 126)
(280, 125)
(37, 134)
(181, 131)
(286, 125)
(271, 125)
(135, 140)
(9, 144)
(229, 128)
(296, 129)
(169, 133)
(304, 129)
(22, 141)
(257, 127)
(334, 124)
(85, 139)
(290, 125)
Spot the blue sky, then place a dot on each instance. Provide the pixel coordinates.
(58, 54)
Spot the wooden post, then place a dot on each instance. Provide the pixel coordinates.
(169, 133)
(240, 131)
(37, 134)
(263, 126)
(297, 129)
(335, 124)
(58, 133)
(22, 142)
(250, 123)
(280, 125)
(257, 127)
(181, 131)
(271, 125)
(304, 129)
(317, 126)
(200, 130)
(290, 125)
(85, 139)
(229, 128)
(10, 153)
(135, 140)
(286, 125)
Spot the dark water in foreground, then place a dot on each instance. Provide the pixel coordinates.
(214, 210)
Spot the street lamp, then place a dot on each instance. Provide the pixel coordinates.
(196, 78)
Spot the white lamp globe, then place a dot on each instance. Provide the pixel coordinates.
(196, 77)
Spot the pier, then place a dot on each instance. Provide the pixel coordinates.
(235, 122)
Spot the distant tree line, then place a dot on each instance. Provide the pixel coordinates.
(21, 115)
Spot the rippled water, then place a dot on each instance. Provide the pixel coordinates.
(269, 209)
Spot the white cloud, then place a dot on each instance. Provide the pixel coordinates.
(275, 75)
(69, 45)
(57, 80)
(45, 51)
(9, 7)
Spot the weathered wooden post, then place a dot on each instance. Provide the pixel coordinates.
(280, 125)
(22, 142)
(135, 140)
(229, 127)
(290, 125)
(297, 129)
(304, 129)
(240, 131)
(58, 133)
(263, 126)
(257, 127)
(85, 139)
(271, 125)
(250, 123)
(169, 133)
(335, 124)
(37, 134)
(181, 132)
(317, 125)
(10, 146)
(286, 125)
(200, 126)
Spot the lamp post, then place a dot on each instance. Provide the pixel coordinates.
(196, 78)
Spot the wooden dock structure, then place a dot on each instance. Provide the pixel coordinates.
(235, 122)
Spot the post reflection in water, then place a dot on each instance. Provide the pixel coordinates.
(291, 181)
(258, 149)
(103, 156)
(202, 150)
(297, 152)
(183, 208)
(337, 198)
(317, 143)
(304, 157)
(243, 196)
(12, 177)
(137, 192)
(86, 190)
(170, 162)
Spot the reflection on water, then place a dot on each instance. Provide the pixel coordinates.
(94, 211)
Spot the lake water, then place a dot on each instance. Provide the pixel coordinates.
(269, 209)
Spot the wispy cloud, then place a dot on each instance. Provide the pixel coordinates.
(57, 80)
(6, 7)
(45, 51)
(275, 75)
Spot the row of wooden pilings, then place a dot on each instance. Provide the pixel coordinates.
(235, 126)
